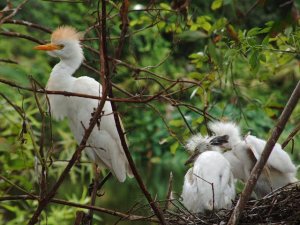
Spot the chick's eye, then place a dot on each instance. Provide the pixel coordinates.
(60, 46)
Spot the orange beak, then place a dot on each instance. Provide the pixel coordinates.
(48, 47)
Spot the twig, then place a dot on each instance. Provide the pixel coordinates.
(18, 187)
(9, 61)
(103, 181)
(43, 181)
(285, 115)
(291, 136)
(212, 188)
(24, 36)
(28, 24)
(94, 193)
(133, 99)
(14, 12)
(169, 192)
(77, 205)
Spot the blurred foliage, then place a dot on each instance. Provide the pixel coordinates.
(247, 62)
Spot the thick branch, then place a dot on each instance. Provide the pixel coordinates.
(124, 18)
(285, 115)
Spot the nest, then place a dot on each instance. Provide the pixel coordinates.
(279, 207)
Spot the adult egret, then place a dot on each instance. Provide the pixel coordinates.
(244, 153)
(209, 184)
(104, 145)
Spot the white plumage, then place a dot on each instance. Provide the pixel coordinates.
(197, 194)
(104, 145)
(244, 153)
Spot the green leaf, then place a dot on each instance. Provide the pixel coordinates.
(165, 6)
(253, 32)
(176, 123)
(253, 59)
(196, 75)
(216, 4)
(174, 147)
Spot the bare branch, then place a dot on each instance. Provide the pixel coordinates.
(77, 205)
(291, 136)
(14, 12)
(28, 24)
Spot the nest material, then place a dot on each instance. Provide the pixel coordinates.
(279, 207)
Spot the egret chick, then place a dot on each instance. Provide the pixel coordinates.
(104, 145)
(209, 184)
(244, 153)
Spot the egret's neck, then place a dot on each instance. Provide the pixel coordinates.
(66, 67)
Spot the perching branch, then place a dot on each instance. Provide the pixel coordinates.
(256, 171)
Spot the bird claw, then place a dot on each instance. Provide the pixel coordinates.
(91, 189)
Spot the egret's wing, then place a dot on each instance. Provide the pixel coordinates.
(104, 139)
(212, 168)
(278, 159)
(190, 192)
(236, 165)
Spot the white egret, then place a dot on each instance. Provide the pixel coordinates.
(244, 153)
(209, 184)
(104, 145)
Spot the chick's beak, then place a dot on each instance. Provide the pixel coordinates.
(219, 140)
(48, 47)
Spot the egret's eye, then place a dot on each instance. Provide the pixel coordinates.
(60, 46)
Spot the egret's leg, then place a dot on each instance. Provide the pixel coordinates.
(94, 190)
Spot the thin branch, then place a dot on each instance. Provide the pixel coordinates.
(28, 24)
(43, 181)
(256, 171)
(77, 205)
(9, 61)
(94, 193)
(212, 188)
(23, 36)
(133, 99)
(18, 187)
(14, 12)
(169, 192)
(291, 136)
